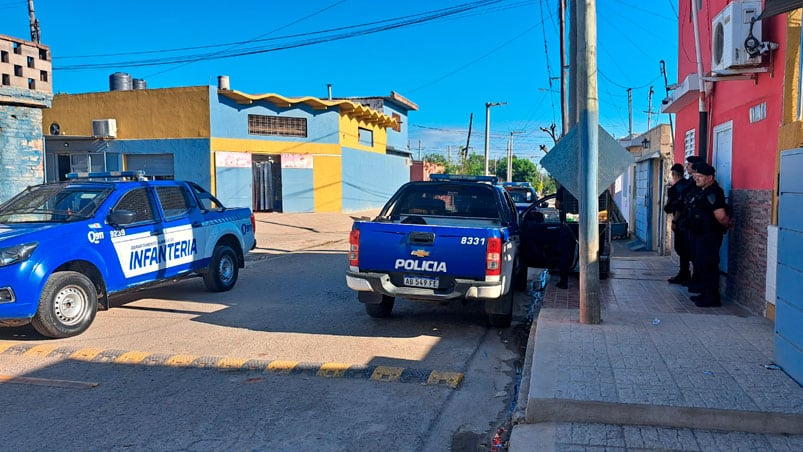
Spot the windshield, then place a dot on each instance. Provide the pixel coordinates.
(520, 194)
(53, 203)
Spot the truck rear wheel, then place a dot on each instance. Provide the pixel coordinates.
(381, 309)
(67, 306)
(223, 269)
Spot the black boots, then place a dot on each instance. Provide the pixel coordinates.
(680, 278)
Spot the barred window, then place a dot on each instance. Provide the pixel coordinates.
(689, 143)
(137, 201)
(277, 125)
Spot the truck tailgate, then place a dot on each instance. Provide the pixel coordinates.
(459, 252)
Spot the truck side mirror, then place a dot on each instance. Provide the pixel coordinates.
(121, 217)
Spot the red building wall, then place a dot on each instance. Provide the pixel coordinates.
(755, 145)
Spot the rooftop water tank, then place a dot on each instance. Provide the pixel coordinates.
(119, 81)
(139, 83)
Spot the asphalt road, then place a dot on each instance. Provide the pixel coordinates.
(282, 362)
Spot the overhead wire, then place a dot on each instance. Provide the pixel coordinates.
(390, 25)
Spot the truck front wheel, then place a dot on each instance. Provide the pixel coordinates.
(381, 309)
(67, 306)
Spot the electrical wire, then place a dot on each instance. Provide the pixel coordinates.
(386, 25)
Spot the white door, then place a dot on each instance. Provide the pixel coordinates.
(723, 156)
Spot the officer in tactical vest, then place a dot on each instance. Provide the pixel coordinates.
(683, 221)
(708, 221)
(676, 206)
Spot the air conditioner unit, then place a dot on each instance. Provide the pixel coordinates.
(730, 28)
(104, 128)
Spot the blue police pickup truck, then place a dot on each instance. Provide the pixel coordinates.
(450, 238)
(66, 246)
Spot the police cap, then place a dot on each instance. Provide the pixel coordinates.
(695, 159)
(705, 169)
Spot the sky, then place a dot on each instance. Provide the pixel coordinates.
(450, 57)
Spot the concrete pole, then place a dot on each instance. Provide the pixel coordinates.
(510, 159)
(487, 134)
(564, 111)
(488, 106)
(586, 76)
(630, 112)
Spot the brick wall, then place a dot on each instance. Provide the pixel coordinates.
(747, 248)
(22, 149)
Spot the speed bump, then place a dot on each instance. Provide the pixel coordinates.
(281, 367)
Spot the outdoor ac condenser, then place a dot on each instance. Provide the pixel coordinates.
(730, 28)
(104, 128)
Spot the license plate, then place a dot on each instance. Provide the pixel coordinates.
(417, 281)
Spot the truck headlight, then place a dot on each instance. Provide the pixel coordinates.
(17, 253)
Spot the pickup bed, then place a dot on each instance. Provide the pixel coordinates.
(66, 246)
(446, 239)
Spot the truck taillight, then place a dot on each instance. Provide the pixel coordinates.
(354, 248)
(493, 260)
(253, 223)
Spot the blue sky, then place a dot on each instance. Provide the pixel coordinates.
(492, 51)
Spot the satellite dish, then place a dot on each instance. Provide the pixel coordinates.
(55, 129)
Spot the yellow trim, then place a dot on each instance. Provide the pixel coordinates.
(327, 183)
(140, 114)
(345, 106)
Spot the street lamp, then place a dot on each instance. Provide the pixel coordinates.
(488, 106)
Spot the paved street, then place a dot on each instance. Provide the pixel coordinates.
(287, 360)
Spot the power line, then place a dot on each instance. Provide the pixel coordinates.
(388, 24)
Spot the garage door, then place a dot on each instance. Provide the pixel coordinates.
(155, 165)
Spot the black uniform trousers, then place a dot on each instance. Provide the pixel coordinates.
(682, 244)
(706, 263)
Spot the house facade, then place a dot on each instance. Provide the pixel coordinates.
(25, 90)
(266, 151)
(729, 110)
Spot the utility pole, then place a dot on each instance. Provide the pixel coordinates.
(588, 132)
(468, 138)
(36, 34)
(564, 112)
(449, 154)
(666, 85)
(630, 112)
(488, 106)
(649, 109)
(419, 150)
(510, 157)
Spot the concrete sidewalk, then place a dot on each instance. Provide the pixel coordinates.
(658, 373)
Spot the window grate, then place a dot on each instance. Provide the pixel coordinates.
(277, 126)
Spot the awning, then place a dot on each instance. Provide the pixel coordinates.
(775, 7)
(682, 95)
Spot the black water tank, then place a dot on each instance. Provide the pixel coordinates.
(119, 81)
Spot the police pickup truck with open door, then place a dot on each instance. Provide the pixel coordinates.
(66, 246)
(450, 238)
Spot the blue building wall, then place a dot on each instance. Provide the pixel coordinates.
(297, 190)
(397, 140)
(230, 120)
(370, 179)
(191, 156)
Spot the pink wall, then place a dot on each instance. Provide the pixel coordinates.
(754, 144)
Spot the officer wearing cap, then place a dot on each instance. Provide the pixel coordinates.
(676, 206)
(708, 221)
(688, 195)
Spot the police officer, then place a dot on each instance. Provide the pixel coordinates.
(688, 194)
(708, 221)
(676, 206)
